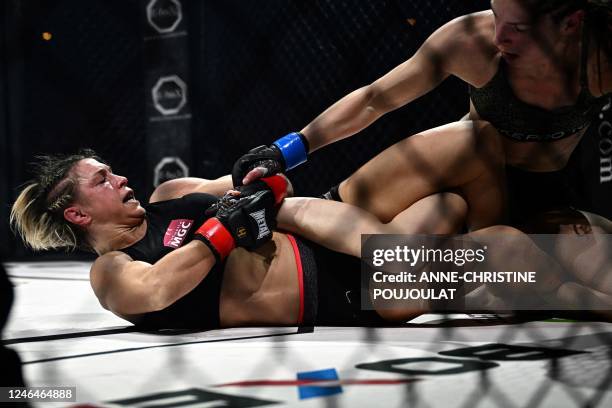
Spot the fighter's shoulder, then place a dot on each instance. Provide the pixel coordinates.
(469, 29)
(102, 271)
(468, 26)
(107, 263)
(469, 42)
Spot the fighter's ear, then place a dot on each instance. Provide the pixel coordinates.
(75, 215)
(583, 229)
(572, 23)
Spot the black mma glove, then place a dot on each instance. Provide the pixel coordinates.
(284, 154)
(240, 221)
(268, 157)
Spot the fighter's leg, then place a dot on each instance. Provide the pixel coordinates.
(465, 155)
(338, 226)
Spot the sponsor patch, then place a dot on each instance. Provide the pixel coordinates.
(176, 232)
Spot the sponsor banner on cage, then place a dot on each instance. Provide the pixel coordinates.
(487, 271)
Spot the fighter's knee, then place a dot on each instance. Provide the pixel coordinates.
(487, 137)
(451, 212)
(456, 206)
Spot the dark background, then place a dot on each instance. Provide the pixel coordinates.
(257, 70)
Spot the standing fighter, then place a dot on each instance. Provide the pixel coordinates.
(538, 71)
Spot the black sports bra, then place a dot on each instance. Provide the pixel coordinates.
(496, 103)
(170, 225)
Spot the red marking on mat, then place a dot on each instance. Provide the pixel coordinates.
(300, 271)
(318, 383)
(176, 232)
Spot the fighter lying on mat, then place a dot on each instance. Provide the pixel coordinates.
(168, 264)
(153, 272)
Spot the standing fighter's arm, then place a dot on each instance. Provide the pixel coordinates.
(442, 54)
(434, 61)
(128, 287)
(460, 48)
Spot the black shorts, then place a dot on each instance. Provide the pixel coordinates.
(332, 288)
(532, 193)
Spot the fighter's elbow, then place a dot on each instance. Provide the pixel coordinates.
(376, 100)
(158, 297)
(383, 97)
(153, 299)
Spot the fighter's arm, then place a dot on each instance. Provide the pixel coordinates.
(179, 187)
(441, 55)
(128, 287)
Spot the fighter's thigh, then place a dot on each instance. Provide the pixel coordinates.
(440, 213)
(432, 161)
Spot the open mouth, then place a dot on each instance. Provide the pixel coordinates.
(129, 197)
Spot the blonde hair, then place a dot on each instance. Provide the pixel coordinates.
(37, 215)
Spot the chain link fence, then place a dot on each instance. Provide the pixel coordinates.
(267, 69)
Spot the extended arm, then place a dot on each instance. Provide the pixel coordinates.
(442, 54)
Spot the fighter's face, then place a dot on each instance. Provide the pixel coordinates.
(521, 39)
(104, 197)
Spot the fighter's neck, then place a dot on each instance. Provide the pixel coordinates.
(563, 67)
(114, 238)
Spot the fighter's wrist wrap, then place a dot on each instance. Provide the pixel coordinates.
(293, 148)
(214, 234)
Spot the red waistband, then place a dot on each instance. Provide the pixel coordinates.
(300, 271)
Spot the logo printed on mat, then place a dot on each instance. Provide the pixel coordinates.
(176, 233)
